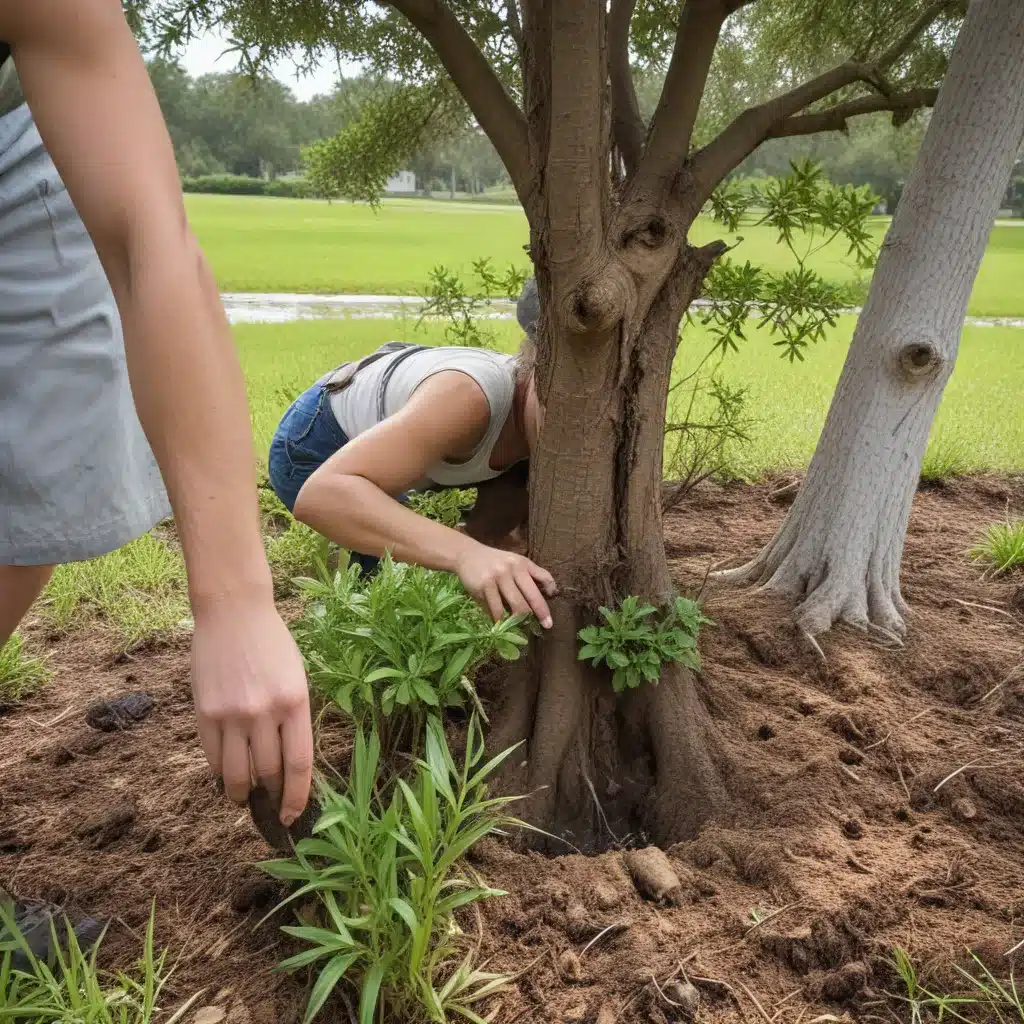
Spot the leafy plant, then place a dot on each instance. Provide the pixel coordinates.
(1001, 546)
(447, 506)
(797, 305)
(634, 641)
(408, 640)
(385, 873)
(20, 674)
(68, 987)
(447, 298)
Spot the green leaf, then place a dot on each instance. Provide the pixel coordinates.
(405, 912)
(370, 993)
(329, 978)
(425, 692)
(385, 673)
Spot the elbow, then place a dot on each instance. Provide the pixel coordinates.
(321, 494)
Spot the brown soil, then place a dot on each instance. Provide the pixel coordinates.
(859, 837)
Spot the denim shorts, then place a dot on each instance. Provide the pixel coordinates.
(307, 436)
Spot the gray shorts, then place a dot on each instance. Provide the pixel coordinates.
(77, 477)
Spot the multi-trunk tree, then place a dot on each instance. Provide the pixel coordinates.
(610, 198)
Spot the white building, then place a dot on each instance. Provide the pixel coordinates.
(402, 182)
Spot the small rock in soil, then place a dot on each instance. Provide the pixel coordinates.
(119, 714)
(652, 873)
(853, 829)
(569, 967)
(963, 810)
(851, 756)
(37, 923)
(607, 1014)
(265, 812)
(683, 998)
(108, 826)
(209, 1015)
(842, 984)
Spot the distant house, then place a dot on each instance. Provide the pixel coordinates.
(404, 182)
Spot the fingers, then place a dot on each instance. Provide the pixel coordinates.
(265, 747)
(531, 598)
(210, 738)
(297, 755)
(492, 600)
(235, 764)
(543, 577)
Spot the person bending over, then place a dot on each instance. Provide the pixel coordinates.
(411, 416)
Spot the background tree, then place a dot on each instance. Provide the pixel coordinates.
(610, 201)
(840, 549)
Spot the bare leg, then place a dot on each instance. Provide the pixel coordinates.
(20, 585)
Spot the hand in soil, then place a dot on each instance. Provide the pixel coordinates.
(501, 579)
(252, 702)
(265, 813)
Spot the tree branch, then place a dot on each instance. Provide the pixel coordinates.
(628, 128)
(576, 171)
(834, 119)
(740, 138)
(493, 108)
(668, 141)
(515, 26)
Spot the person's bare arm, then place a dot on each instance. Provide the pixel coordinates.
(349, 498)
(91, 98)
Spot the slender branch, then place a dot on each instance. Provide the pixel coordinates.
(740, 138)
(668, 141)
(628, 128)
(834, 119)
(515, 26)
(495, 111)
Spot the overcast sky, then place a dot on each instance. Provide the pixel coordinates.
(203, 55)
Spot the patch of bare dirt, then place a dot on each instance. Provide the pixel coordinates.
(883, 787)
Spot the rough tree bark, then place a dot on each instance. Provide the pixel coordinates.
(840, 549)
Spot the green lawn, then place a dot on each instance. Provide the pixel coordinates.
(979, 419)
(291, 245)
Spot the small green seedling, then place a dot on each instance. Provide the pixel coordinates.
(386, 872)
(634, 641)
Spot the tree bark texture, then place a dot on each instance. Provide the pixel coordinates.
(840, 549)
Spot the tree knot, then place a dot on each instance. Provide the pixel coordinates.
(918, 360)
(599, 302)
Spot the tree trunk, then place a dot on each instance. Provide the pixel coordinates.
(840, 549)
(602, 766)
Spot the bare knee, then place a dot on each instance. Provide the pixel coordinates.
(20, 585)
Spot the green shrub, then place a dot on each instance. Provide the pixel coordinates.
(1001, 546)
(386, 875)
(447, 506)
(408, 640)
(242, 185)
(634, 643)
(20, 674)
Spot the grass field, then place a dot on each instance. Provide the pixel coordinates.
(979, 419)
(289, 245)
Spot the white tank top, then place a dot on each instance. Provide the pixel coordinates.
(356, 408)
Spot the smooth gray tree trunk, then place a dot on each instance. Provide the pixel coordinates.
(840, 549)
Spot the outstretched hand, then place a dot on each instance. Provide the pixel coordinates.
(252, 702)
(502, 580)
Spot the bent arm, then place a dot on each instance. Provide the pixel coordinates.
(349, 499)
(91, 97)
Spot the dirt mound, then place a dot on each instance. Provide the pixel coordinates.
(884, 790)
